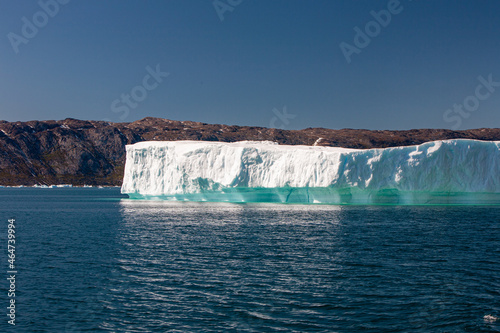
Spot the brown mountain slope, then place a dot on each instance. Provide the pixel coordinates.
(81, 152)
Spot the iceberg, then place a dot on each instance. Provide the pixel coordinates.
(439, 172)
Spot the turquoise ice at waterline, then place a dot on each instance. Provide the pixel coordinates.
(438, 172)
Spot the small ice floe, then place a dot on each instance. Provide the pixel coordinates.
(490, 318)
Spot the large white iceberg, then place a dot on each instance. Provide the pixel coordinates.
(451, 171)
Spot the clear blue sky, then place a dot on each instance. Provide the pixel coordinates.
(264, 55)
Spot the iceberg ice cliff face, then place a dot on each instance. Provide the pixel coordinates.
(451, 171)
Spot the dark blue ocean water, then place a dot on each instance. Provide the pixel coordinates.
(89, 261)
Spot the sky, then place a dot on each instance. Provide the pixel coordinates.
(289, 64)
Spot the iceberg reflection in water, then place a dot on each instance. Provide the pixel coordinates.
(440, 172)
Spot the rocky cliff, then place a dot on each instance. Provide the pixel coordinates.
(81, 152)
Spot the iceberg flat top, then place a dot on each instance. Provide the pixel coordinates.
(189, 167)
(190, 144)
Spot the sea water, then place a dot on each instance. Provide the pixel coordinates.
(90, 259)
